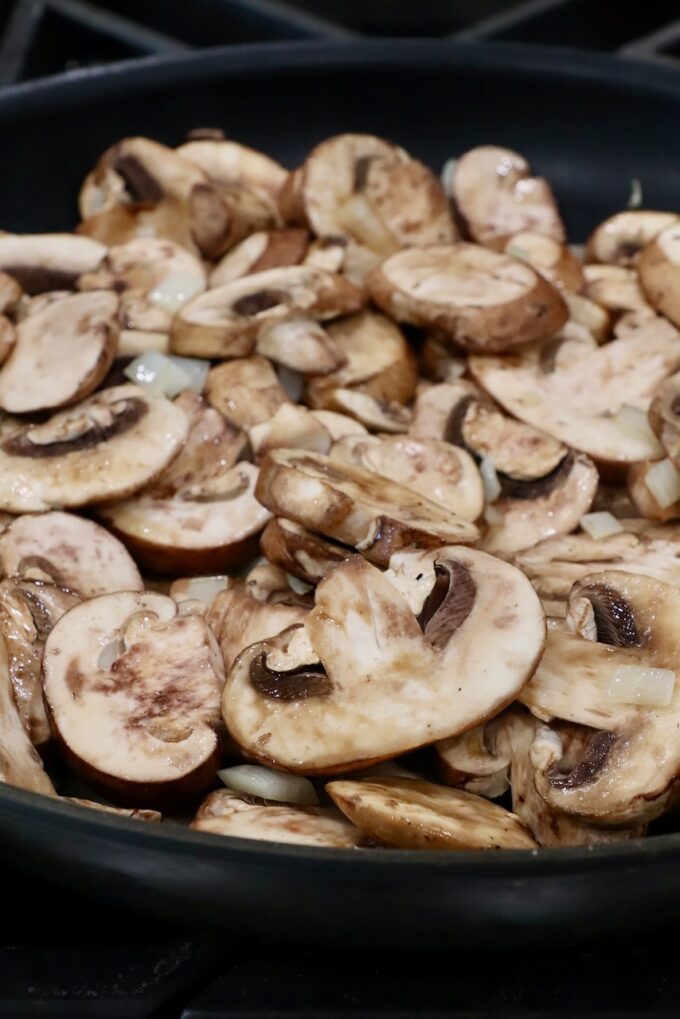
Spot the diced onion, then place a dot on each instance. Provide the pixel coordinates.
(600, 525)
(297, 585)
(638, 684)
(448, 171)
(634, 422)
(158, 373)
(195, 368)
(635, 200)
(663, 481)
(202, 589)
(254, 780)
(176, 288)
(492, 515)
(492, 486)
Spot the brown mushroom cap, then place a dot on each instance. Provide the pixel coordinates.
(20, 764)
(119, 224)
(659, 268)
(40, 262)
(621, 237)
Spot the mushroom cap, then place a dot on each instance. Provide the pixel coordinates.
(107, 447)
(621, 237)
(552, 259)
(659, 269)
(412, 814)
(477, 298)
(40, 262)
(20, 764)
(300, 552)
(246, 390)
(615, 287)
(227, 162)
(119, 224)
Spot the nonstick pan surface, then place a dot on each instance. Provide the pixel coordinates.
(591, 125)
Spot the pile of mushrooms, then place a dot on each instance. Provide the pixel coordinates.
(340, 505)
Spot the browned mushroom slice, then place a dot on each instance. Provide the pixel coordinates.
(222, 215)
(8, 336)
(119, 224)
(40, 262)
(329, 253)
(438, 363)
(131, 813)
(20, 764)
(496, 196)
(300, 344)
(659, 268)
(654, 489)
(292, 427)
(374, 515)
(387, 663)
(300, 552)
(591, 316)
(615, 287)
(547, 256)
(28, 611)
(227, 162)
(412, 814)
(61, 354)
(107, 447)
(621, 237)
(226, 321)
(245, 390)
(377, 361)
(133, 691)
(226, 813)
(265, 249)
(238, 619)
(441, 472)
(479, 299)
(10, 293)
(598, 402)
(476, 760)
(69, 551)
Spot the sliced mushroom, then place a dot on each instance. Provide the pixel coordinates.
(29, 609)
(8, 338)
(412, 814)
(107, 447)
(300, 344)
(591, 316)
(377, 361)
(441, 472)
(40, 262)
(659, 268)
(245, 390)
(226, 813)
(132, 689)
(292, 427)
(200, 591)
(374, 515)
(380, 673)
(338, 425)
(227, 162)
(329, 253)
(69, 551)
(265, 249)
(595, 404)
(374, 414)
(615, 287)
(10, 293)
(238, 619)
(131, 813)
(477, 298)
(664, 417)
(496, 196)
(226, 321)
(476, 760)
(61, 354)
(642, 481)
(220, 216)
(120, 224)
(549, 257)
(20, 764)
(621, 237)
(299, 551)
(438, 362)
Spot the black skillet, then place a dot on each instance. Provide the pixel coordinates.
(590, 124)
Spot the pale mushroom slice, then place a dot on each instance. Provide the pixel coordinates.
(221, 215)
(338, 425)
(659, 269)
(621, 237)
(300, 344)
(133, 688)
(549, 257)
(61, 353)
(589, 315)
(246, 390)
(40, 262)
(226, 813)
(437, 470)
(69, 551)
(596, 404)
(118, 224)
(621, 681)
(300, 552)
(29, 609)
(226, 321)
(476, 760)
(20, 764)
(387, 663)
(11, 293)
(264, 249)
(131, 813)
(438, 363)
(228, 162)
(8, 338)
(377, 362)
(654, 489)
(106, 447)
(413, 814)
(376, 516)
(479, 299)
(291, 427)
(238, 619)
(496, 196)
(616, 288)
(374, 414)
(329, 253)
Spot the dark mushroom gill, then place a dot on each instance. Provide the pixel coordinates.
(448, 604)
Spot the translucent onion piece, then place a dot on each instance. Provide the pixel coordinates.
(254, 780)
(633, 421)
(492, 486)
(159, 374)
(202, 589)
(195, 368)
(175, 289)
(638, 684)
(663, 481)
(600, 525)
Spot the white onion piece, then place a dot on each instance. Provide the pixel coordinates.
(254, 780)
(297, 585)
(157, 373)
(663, 481)
(291, 382)
(634, 422)
(638, 684)
(492, 486)
(492, 515)
(202, 589)
(195, 368)
(635, 199)
(447, 173)
(176, 288)
(600, 525)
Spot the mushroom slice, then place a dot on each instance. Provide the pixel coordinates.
(438, 363)
(69, 551)
(61, 354)
(10, 293)
(131, 813)
(107, 447)
(227, 162)
(40, 262)
(226, 813)
(596, 404)
(20, 764)
(222, 215)
(650, 481)
(659, 269)
(29, 609)
(300, 552)
(8, 337)
(547, 256)
(615, 287)
(265, 249)
(476, 760)
(200, 591)
(378, 415)
(291, 427)
(377, 361)
(226, 321)
(119, 224)
(381, 673)
(441, 472)
(300, 344)
(132, 689)
(496, 195)
(477, 298)
(621, 237)
(374, 515)
(328, 253)
(238, 619)
(338, 425)
(591, 316)
(245, 390)
(412, 814)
